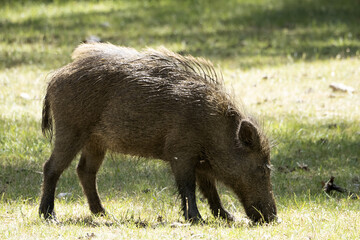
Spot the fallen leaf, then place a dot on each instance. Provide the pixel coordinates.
(303, 166)
(341, 87)
(177, 224)
(330, 186)
(141, 224)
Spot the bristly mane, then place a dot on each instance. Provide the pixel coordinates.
(164, 63)
(192, 65)
(193, 69)
(162, 59)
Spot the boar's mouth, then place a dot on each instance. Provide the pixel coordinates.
(260, 209)
(261, 214)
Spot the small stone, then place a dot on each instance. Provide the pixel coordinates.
(25, 96)
(64, 195)
(92, 39)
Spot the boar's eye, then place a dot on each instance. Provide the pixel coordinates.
(265, 168)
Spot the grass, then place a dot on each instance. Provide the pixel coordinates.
(278, 57)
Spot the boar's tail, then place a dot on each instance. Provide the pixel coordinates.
(47, 123)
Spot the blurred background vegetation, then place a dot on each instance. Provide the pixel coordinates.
(238, 33)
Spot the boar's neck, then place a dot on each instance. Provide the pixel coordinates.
(220, 150)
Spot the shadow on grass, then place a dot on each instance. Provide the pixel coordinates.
(252, 33)
(112, 222)
(310, 153)
(24, 150)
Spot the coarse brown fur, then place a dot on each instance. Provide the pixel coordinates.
(155, 104)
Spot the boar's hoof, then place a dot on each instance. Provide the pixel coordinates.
(48, 215)
(100, 213)
(196, 220)
(229, 218)
(226, 216)
(264, 220)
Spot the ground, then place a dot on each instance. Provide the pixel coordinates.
(277, 57)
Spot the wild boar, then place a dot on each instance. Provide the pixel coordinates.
(155, 104)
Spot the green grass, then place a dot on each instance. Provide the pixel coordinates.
(278, 57)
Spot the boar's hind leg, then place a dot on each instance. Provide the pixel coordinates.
(90, 161)
(67, 145)
(184, 171)
(208, 189)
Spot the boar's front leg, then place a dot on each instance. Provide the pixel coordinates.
(184, 171)
(208, 189)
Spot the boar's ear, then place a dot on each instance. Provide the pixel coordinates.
(249, 134)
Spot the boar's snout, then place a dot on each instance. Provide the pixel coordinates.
(260, 213)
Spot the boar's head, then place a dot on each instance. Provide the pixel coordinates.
(251, 173)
